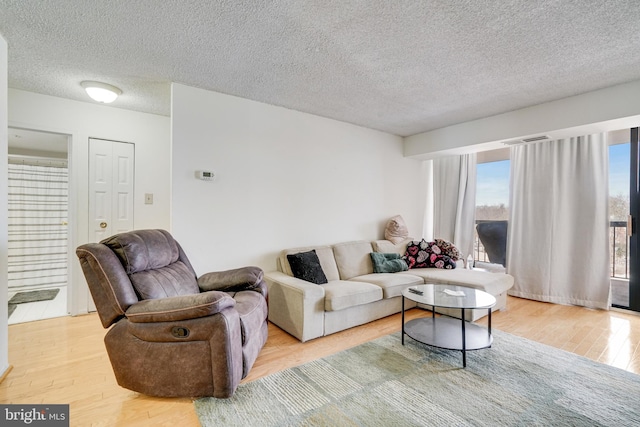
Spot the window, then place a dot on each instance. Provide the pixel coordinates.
(492, 196)
(492, 191)
(619, 182)
(619, 210)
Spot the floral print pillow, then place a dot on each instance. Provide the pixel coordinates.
(423, 254)
(448, 249)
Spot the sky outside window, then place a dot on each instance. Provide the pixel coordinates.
(492, 185)
(619, 170)
(619, 175)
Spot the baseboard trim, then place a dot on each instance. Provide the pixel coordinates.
(624, 310)
(5, 374)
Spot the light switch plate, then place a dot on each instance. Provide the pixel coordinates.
(148, 198)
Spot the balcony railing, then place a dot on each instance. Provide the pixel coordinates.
(618, 242)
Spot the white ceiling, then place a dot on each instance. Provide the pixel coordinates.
(403, 67)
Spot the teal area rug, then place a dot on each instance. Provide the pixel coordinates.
(516, 382)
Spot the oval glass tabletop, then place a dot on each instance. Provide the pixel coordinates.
(449, 296)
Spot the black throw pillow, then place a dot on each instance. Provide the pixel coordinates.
(306, 266)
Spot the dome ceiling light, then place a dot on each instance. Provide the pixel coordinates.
(101, 92)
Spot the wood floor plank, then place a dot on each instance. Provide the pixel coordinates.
(63, 360)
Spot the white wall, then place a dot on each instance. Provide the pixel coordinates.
(4, 236)
(82, 120)
(283, 179)
(603, 110)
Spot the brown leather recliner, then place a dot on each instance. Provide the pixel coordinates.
(174, 334)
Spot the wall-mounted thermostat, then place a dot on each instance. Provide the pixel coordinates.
(205, 175)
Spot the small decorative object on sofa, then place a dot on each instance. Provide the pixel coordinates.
(436, 254)
(396, 230)
(173, 334)
(306, 266)
(388, 262)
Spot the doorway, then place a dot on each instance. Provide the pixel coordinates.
(38, 200)
(624, 209)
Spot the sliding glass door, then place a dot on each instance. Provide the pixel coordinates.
(634, 223)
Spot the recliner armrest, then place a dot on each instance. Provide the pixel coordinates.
(181, 307)
(239, 279)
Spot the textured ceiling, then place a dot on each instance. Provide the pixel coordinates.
(403, 67)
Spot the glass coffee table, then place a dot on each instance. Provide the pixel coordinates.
(447, 332)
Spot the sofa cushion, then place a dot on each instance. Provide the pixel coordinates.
(325, 255)
(306, 266)
(392, 284)
(170, 281)
(388, 262)
(143, 249)
(490, 267)
(493, 283)
(353, 259)
(341, 294)
(387, 246)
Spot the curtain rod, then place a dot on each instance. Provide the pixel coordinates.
(18, 159)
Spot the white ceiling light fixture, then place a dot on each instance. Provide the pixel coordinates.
(101, 92)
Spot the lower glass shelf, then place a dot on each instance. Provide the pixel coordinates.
(446, 333)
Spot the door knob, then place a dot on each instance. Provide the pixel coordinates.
(103, 225)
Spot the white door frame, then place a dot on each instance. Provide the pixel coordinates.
(72, 289)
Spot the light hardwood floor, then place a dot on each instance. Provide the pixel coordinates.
(63, 360)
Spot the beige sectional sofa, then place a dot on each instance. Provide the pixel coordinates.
(354, 294)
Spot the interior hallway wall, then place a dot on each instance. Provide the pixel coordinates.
(4, 236)
(283, 179)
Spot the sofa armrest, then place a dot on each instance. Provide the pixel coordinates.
(295, 305)
(179, 308)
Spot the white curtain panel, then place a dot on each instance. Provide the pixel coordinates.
(427, 223)
(558, 244)
(454, 200)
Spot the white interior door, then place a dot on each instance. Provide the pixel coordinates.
(111, 186)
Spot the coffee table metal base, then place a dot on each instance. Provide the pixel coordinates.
(446, 333)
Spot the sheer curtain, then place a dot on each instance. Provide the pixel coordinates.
(557, 247)
(454, 200)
